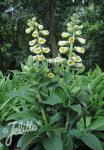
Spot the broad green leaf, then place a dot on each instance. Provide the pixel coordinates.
(92, 141)
(53, 100)
(26, 140)
(68, 143)
(74, 133)
(22, 115)
(88, 121)
(98, 124)
(53, 142)
(55, 118)
(76, 108)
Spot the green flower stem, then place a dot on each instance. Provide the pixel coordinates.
(67, 120)
(71, 47)
(42, 109)
(38, 39)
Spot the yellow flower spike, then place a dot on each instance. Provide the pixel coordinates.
(31, 43)
(82, 40)
(80, 50)
(40, 27)
(76, 59)
(46, 50)
(40, 57)
(65, 34)
(35, 34)
(28, 30)
(45, 32)
(78, 32)
(70, 62)
(62, 43)
(41, 40)
(71, 40)
(51, 75)
(63, 49)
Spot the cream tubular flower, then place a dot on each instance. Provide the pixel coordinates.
(40, 27)
(80, 50)
(50, 75)
(63, 49)
(46, 50)
(40, 57)
(35, 34)
(34, 19)
(37, 51)
(81, 27)
(71, 40)
(34, 58)
(32, 48)
(76, 59)
(70, 62)
(33, 42)
(45, 32)
(28, 30)
(41, 40)
(82, 40)
(78, 32)
(79, 65)
(65, 34)
(62, 43)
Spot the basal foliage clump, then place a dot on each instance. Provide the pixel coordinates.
(55, 92)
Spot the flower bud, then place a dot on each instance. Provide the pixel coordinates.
(40, 27)
(34, 19)
(45, 32)
(62, 43)
(80, 50)
(82, 40)
(28, 30)
(78, 32)
(65, 34)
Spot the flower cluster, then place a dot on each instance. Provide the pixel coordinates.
(73, 34)
(58, 60)
(37, 43)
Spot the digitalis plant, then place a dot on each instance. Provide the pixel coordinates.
(70, 44)
(37, 44)
(69, 107)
